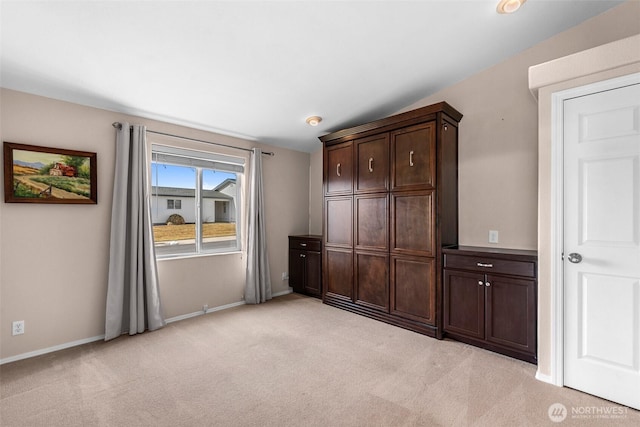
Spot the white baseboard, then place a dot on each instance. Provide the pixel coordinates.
(184, 316)
(50, 349)
(101, 337)
(200, 313)
(224, 307)
(279, 294)
(544, 378)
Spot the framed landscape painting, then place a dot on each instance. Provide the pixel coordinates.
(34, 174)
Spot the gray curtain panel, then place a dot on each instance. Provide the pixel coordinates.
(258, 286)
(133, 296)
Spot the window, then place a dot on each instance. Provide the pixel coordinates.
(206, 188)
(174, 204)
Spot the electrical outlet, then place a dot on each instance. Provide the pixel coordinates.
(285, 275)
(205, 307)
(493, 236)
(17, 327)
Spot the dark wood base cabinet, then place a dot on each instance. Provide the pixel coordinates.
(305, 264)
(489, 299)
(390, 204)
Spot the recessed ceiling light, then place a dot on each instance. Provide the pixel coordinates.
(509, 6)
(313, 120)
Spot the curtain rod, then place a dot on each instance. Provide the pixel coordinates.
(118, 125)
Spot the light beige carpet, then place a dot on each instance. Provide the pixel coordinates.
(290, 362)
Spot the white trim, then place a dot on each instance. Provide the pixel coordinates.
(557, 214)
(279, 294)
(557, 239)
(200, 313)
(50, 349)
(581, 64)
(224, 307)
(202, 254)
(184, 316)
(544, 378)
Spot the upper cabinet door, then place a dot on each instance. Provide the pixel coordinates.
(372, 164)
(338, 172)
(413, 157)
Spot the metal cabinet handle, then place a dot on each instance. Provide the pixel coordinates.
(575, 258)
(338, 170)
(303, 256)
(480, 264)
(487, 284)
(480, 282)
(411, 158)
(445, 126)
(370, 164)
(304, 245)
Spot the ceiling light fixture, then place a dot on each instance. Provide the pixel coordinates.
(313, 120)
(509, 6)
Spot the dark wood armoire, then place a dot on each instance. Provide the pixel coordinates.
(390, 205)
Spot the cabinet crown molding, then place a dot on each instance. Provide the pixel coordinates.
(419, 115)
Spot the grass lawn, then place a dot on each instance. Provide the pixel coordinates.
(165, 233)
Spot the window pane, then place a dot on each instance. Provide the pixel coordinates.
(219, 197)
(195, 195)
(173, 232)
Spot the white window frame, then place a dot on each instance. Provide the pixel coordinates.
(201, 160)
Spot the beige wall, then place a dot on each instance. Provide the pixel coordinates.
(315, 192)
(59, 290)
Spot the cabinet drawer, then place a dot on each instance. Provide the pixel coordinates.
(490, 265)
(305, 245)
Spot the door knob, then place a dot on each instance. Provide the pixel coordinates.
(575, 258)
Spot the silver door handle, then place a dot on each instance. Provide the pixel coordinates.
(575, 258)
(480, 282)
(487, 284)
(480, 264)
(411, 158)
(338, 169)
(303, 256)
(370, 164)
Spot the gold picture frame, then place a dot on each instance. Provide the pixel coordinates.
(35, 174)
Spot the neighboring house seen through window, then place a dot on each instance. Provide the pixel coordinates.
(206, 188)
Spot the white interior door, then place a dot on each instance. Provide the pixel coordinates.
(602, 226)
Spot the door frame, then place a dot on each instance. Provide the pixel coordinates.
(557, 209)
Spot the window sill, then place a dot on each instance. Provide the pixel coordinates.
(201, 255)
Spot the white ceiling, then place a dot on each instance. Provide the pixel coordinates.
(257, 69)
